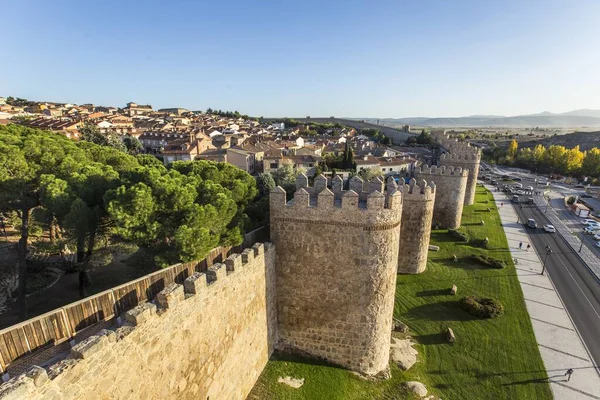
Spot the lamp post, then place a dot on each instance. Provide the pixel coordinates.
(548, 252)
(582, 239)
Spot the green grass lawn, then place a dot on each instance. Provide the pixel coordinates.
(491, 359)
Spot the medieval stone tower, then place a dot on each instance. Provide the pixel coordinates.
(450, 189)
(468, 158)
(336, 270)
(417, 214)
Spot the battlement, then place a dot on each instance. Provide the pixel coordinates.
(467, 157)
(443, 171)
(362, 197)
(419, 190)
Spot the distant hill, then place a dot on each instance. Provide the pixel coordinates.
(585, 140)
(546, 119)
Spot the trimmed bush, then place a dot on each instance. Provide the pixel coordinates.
(482, 307)
(482, 243)
(460, 235)
(487, 261)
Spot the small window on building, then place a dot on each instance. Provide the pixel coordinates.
(273, 165)
(310, 165)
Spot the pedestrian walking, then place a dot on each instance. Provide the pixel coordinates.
(569, 373)
(528, 246)
(520, 245)
(501, 204)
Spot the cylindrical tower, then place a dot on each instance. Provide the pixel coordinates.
(418, 200)
(336, 272)
(468, 158)
(450, 189)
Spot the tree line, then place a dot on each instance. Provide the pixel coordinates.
(84, 190)
(554, 159)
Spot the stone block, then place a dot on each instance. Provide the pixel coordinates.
(453, 290)
(194, 283)
(141, 313)
(247, 256)
(217, 271)
(123, 331)
(171, 295)
(38, 375)
(450, 335)
(17, 388)
(90, 346)
(259, 249)
(233, 262)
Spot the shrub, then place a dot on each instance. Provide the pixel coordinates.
(482, 307)
(482, 243)
(460, 235)
(488, 261)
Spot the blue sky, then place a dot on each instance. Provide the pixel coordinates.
(296, 58)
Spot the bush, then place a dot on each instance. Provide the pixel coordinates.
(482, 307)
(460, 235)
(482, 243)
(488, 261)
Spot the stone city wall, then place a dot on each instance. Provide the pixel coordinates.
(468, 159)
(336, 273)
(450, 189)
(418, 199)
(207, 339)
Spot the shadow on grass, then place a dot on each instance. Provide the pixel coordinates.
(442, 237)
(301, 359)
(441, 311)
(471, 223)
(431, 339)
(434, 292)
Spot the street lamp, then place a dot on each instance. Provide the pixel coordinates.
(582, 239)
(548, 252)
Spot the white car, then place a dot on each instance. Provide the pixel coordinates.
(520, 192)
(597, 236)
(550, 228)
(518, 185)
(530, 188)
(592, 229)
(589, 221)
(597, 244)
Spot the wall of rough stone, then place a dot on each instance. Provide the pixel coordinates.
(450, 189)
(336, 273)
(467, 159)
(9, 282)
(417, 214)
(210, 341)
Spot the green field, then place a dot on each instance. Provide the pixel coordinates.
(492, 359)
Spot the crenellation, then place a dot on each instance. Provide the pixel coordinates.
(356, 184)
(195, 283)
(320, 184)
(337, 184)
(216, 272)
(301, 181)
(233, 263)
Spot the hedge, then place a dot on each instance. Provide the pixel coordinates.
(482, 307)
(460, 235)
(487, 261)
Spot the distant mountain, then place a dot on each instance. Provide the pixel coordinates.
(546, 119)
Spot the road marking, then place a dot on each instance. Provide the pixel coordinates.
(563, 352)
(579, 287)
(550, 323)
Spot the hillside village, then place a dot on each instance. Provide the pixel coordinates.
(251, 144)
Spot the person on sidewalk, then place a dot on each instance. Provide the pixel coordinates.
(569, 373)
(520, 245)
(528, 246)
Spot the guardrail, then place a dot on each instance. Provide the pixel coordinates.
(58, 326)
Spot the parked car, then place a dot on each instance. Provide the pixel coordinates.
(515, 199)
(520, 192)
(517, 179)
(542, 183)
(493, 182)
(550, 228)
(592, 229)
(529, 200)
(531, 223)
(589, 221)
(597, 236)
(597, 244)
(530, 188)
(518, 185)
(505, 176)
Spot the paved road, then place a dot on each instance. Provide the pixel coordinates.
(579, 290)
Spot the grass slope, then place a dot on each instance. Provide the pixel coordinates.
(492, 359)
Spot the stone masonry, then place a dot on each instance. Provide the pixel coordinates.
(208, 339)
(336, 271)
(467, 158)
(417, 214)
(450, 189)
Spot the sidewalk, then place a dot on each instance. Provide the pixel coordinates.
(589, 258)
(558, 340)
